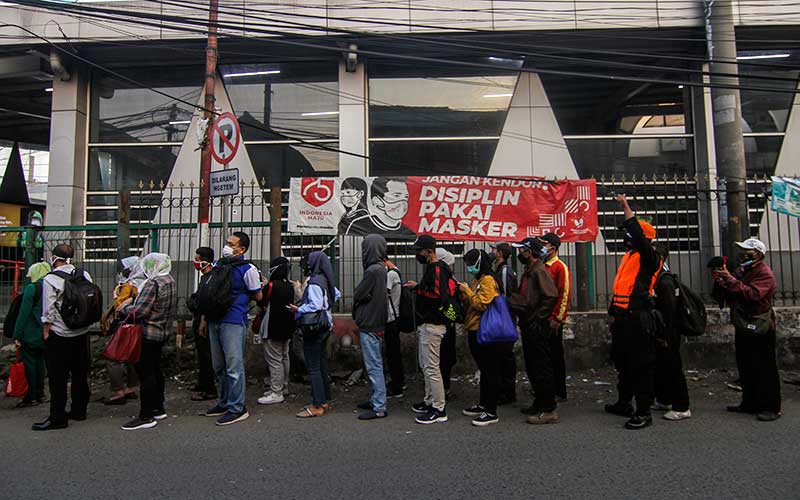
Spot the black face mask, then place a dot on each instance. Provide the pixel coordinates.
(746, 259)
(422, 258)
(306, 271)
(524, 259)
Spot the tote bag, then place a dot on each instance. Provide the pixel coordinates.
(496, 325)
(17, 383)
(125, 346)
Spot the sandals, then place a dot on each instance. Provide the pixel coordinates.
(312, 411)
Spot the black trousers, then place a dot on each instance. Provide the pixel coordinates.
(670, 382)
(758, 371)
(394, 357)
(205, 371)
(68, 362)
(559, 363)
(633, 353)
(490, 359)
(151, 379)
(447, 355)
(508, 388)
(537, 347)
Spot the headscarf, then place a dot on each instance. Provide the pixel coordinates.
(322, 274)
(446, 257)
(485, 265)
(149, 267)
(128, 264)
(38, 271)
(279, 269)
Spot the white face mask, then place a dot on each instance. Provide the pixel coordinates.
(227, 251)
(55, 259)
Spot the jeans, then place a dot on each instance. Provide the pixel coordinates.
(536, 345)
(68, 360)
(121, 376)
(227, 356)
(205, 367)
(670, 382)
(758, 371)
(633, 352)
(373, 362)
(316, 356)
(276, 354)
(490, 359)
(430, 342)
(152, 380)
(394, 357)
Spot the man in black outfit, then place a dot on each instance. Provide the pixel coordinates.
(506, 283)
(205, 389)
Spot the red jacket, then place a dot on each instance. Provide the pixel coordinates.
(560, 274)
(752, 289)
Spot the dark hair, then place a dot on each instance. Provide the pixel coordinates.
(205, 253)
(662, 250)
(244, 240)
(64, 250)
(358, 184)
(380, 186)
(471, 257)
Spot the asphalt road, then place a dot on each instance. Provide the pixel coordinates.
(275, 455)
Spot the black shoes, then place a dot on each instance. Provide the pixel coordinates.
(76, 417)
(49, 425)
(768, 416)
(741, 409)
(366, 405)
(620, 409)
(373, 415)
(139, 423)
(639, 422)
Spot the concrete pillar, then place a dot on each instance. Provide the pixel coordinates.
(69, 125)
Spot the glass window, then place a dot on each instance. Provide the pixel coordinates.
(298, 99)
(415, 102)
(292, 160)
(115, 168)
(762, 110)
(431, 157)
(598, 157)
(761, 154)
(121, 113)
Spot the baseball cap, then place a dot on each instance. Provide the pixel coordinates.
(753, 244)
(424, 242)
(503, 247)
(552, 238)
(532, 244)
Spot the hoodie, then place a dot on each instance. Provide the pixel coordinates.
(369, 298)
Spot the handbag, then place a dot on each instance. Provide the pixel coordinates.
(496, 325)
(125, 346)
(753, 325)
(313, 323)
(17, 383)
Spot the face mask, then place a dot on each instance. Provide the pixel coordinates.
(349, 201)
(422, 258)
(746, 259)
(524, 259)
(473, 270)
(199, 266)
(227, 251)
(55, 259)
(306, 271)
(543, 253)
(396, 210)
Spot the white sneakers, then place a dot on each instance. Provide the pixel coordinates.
(678, 415)
(271, 398)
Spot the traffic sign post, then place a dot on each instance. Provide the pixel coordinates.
(225, 140)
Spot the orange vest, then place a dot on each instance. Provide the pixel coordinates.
(626, 280)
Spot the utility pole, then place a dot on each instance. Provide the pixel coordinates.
(727, 110)
(208, 114)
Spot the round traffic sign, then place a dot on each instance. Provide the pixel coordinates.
(225, 138)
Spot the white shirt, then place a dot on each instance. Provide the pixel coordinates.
(52, 290)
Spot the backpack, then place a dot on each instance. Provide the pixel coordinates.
(405, 316)
(452, 309)
(690, 316)
(215, 298)
(13, 312)
(81, 300)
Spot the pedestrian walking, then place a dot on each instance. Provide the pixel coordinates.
(235, 281)
(634, 324)
(431, 293)
(28, 335)
(749, 292)
(533, 303)
(317, 300)
(154, 309)
(122, 377)
(394, 353)
(507, 283)
(277, 328)
(561, 278)
(205, 388)
(370, 314)
(448, 355)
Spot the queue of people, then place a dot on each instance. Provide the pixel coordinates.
(645, 348)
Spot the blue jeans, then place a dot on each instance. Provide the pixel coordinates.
(371, 349)
(227, 357)
(316, 357)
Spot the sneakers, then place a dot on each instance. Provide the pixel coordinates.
(660, 407)
(768, 416)
(620, 409)
(372, 415)
(139, 423)
(639, 422)
(271, 398)
(394, 394)
(678, 415)
(473, 411)
(543, 418)
(432, 417)
(485, 419)
(160, 415)
(216, 411)
(231, 418)
(421, 408)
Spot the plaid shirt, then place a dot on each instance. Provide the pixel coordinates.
(154, 308)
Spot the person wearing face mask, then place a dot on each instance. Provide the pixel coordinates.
(634, 324)
(489, 357)
(353, 196)
(205, 388)
(749, 292)
(277, 328)
(431, 293)
(533, 302)
(447, 352)
(507, 282)
(389, 198)
(560, 273)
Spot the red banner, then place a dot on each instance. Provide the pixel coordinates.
(446, 207)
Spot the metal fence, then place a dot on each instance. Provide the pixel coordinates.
(683, 210)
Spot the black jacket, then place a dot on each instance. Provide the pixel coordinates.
(432, 291)
(278, 294)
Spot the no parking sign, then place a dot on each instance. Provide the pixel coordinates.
(225, 138)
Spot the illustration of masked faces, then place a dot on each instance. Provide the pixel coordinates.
(350, 198)
(395, 202)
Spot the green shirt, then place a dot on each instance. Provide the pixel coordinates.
(28, 328)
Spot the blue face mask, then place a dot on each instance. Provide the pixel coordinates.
(473, 270)
(543, 253)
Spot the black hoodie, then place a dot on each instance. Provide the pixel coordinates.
(369, 298)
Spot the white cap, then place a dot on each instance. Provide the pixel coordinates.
(753, 244)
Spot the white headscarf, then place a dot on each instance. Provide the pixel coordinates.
(149, 267)
(446, 257)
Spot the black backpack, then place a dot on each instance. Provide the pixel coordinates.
(452, 308)
(690, 315)
(216, 298)
(81, 300)
(13, 312)
(405, 318)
